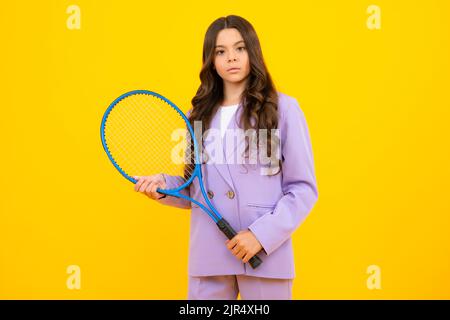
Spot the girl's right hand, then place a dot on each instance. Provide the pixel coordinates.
(148, 185)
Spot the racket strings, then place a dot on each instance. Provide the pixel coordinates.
(135, 145)
(138, 141)
(142, 135)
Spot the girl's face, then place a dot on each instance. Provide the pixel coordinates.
(230, 52)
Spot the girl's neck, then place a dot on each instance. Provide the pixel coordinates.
(232, 93)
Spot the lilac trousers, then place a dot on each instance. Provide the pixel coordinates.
(249, 288)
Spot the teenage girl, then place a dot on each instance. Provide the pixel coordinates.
(265, 201)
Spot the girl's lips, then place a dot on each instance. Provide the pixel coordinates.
(233, 70)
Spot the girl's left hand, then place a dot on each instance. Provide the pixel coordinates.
(244, 245)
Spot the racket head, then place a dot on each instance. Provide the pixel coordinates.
(132, 126)
(136, 130)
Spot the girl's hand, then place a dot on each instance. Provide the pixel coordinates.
(244, 245)
(148, 185)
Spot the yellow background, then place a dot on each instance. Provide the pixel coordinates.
(376, 101)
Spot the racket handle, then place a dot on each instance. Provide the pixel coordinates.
(228, 230)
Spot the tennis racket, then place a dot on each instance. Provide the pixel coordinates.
(138, 131)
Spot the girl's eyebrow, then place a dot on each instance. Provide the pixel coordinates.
(233, 44)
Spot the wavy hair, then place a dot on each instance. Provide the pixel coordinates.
(259, 99)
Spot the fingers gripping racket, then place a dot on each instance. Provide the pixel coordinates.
(138, 131)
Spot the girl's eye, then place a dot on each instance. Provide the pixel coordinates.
(219, 52)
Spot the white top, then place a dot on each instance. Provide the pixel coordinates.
(226, 114)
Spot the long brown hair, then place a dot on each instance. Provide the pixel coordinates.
(259, 99)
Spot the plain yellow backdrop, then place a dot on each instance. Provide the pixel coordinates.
(377, 105)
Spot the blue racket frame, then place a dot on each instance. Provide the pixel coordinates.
(222, 224)
(212, 212)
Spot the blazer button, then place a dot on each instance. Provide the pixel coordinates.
(230, 194)
(210, 194)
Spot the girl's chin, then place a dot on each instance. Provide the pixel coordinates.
(234, 79)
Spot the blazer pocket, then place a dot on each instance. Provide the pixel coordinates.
(261, 205)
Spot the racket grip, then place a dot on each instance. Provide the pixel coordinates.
(228, 230)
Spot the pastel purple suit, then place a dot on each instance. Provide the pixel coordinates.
(272, 207)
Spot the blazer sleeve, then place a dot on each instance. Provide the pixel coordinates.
(172, 182)
(298, 182)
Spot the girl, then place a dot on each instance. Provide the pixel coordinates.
(267, 202)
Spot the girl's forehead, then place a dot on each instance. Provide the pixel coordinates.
(228, 36)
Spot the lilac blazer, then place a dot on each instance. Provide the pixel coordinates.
(272, 207)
